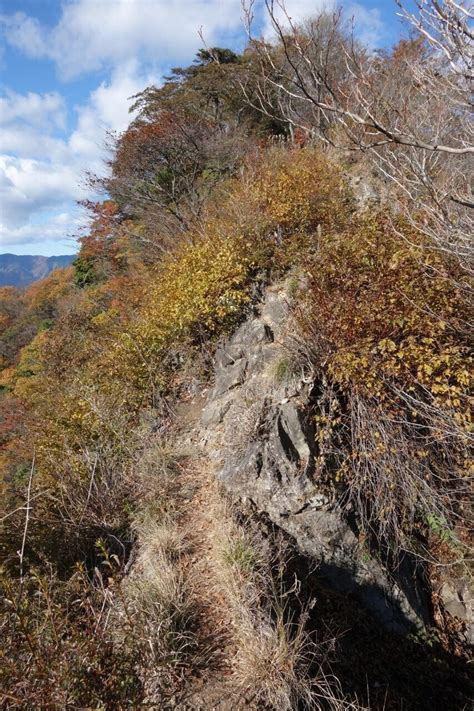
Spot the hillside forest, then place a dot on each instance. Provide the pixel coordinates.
(130, 577)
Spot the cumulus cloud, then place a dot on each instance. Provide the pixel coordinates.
(93, 34)
(28, 186)
(33, 109)
(41, 168)
(107, 110)
(48, 228)
(25, 33)
(41, 173)
(292, 11)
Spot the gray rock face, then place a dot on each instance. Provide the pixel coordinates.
(258, 427)
(458, 599)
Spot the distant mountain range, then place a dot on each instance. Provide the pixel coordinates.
(21, 270)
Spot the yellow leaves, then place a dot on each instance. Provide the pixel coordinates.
(301, 189)
(105, 319)
(439, 388)
(198, 291)
(383, 317)
(7, 377)
(201, 280)
(386, 345)
(464, 377)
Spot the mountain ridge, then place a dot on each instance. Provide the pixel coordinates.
(20, 270)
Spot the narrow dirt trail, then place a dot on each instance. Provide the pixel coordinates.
(210, 688)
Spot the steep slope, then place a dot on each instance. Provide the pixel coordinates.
(258, 432)
(327, 347)
(284, 605)
(260, 421)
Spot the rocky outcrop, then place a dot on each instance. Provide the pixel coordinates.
(258, 426)
(457, 597)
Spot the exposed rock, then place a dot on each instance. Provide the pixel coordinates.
(458, 599)
(260, 433)
(364, 192)
(233, 374)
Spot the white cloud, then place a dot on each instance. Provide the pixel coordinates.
(52, 228)
(92, 34)
(41, 169)
(292, 11)
(107, 110)
(25, 33)
(368, 24)
(29, 122)
(33, 109)
(28, 186)
(40, 172)
(28, 142)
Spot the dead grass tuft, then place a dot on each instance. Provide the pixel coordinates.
(275, 661)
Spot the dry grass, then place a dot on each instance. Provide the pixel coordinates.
(159, 594)
(205, 595)
(400, 463)
(248, 422)
(160, 599)
(397, 489)
(275, 661)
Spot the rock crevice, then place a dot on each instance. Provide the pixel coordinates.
(258, 429)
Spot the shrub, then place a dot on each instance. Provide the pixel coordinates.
(58, 651)
(85, 382)
(301, 189)
(387, 322)
(198, 293)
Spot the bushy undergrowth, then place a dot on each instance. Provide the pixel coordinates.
(57, 650)
(198, 292)
(118, 362)
(382, 321)
(386, 320)
(300, 190)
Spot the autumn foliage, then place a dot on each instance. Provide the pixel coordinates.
(205, 206)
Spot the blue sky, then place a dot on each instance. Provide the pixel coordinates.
(68, 69)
